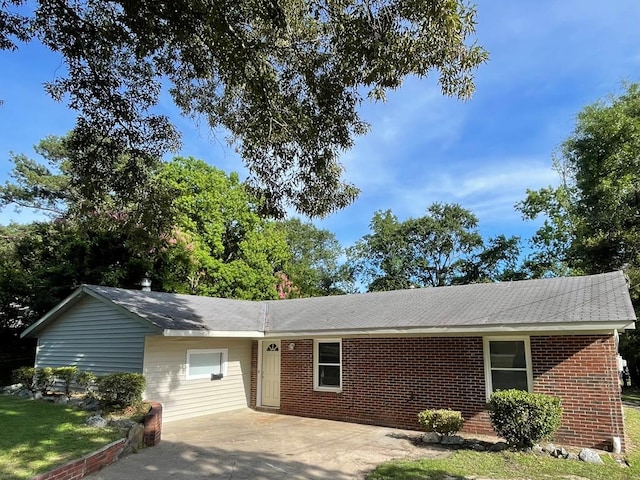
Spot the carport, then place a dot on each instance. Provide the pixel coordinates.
(245, 444)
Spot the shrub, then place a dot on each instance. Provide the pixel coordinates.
(24, 375)
(445, 422)
(45, 379)
(120, 390)
(523, 418)
(86, 380)
(66, 375)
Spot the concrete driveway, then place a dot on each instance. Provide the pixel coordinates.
(245, 444)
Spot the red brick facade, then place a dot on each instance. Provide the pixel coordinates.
(582, 370)
(387, 381)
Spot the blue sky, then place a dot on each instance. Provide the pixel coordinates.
(548, 59)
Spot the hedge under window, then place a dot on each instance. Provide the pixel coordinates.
(328, 365)
(203, 363)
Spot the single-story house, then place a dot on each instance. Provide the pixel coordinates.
(374, 358)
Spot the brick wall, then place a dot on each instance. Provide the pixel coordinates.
(386, 381)
(153, 425)
(582, 370)
(86, 465)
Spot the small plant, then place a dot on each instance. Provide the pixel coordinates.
(522, 418)
(24, 376)
(66, 375)
(45, 379)
(86, 380)
(444, 422)
(120, 390)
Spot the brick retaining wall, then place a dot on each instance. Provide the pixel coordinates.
(86, 465)
(93, 462)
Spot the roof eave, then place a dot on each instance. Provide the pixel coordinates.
(54, 312)
(214, 333)
(582, 328)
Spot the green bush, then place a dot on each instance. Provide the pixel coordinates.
(45, 379)
(120, 390)
(24, 375)
(66, 375)
(445, 422)
(86, 380)
(523, 418)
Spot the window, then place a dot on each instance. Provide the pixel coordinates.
(205, 363)
(327, 373)
(507, 364)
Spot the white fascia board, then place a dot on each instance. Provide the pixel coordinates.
(59, 308)
(214, 333)
(479, 330)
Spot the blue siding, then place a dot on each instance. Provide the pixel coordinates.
(94, 336)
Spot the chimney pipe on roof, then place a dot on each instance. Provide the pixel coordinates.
(145, 283)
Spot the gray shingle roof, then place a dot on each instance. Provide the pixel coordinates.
(588, 299)
(171, 311)
(595, 298)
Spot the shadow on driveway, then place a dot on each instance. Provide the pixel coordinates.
(244, 444)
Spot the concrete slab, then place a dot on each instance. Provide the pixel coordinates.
(249, 445)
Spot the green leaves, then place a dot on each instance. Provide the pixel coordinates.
(441, 248)
(284, 78)
(523, 418)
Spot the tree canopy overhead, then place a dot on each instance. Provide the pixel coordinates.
(284, 77)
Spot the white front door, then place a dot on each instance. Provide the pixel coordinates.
(270, 373)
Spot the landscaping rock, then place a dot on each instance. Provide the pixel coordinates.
(498, 447)
(37, 396)
(90, 404)
(537, 450)
(431, 437)
(96, 421)
(134, 439)
(452, 440)
(573, 456)
(24, 393)
(549, 448)
(122, 423)
(12, 389)
(478, 447)
(589, 456)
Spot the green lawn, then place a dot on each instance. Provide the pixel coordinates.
(465, 464)
(37, 436)
(631, 394)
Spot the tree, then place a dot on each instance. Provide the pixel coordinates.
(284, 78)
(220, 245)
(313, 268)
(441, 248)
(593, 218)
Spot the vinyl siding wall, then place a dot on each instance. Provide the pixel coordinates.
(94, 336)
(165, 371)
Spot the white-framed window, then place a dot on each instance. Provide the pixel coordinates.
(507, 364)
(203, 363)
(327, 365)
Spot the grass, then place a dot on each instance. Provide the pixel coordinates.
(37, 436)
(631, 394)
(466, 464)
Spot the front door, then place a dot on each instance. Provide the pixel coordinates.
(270, 373)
